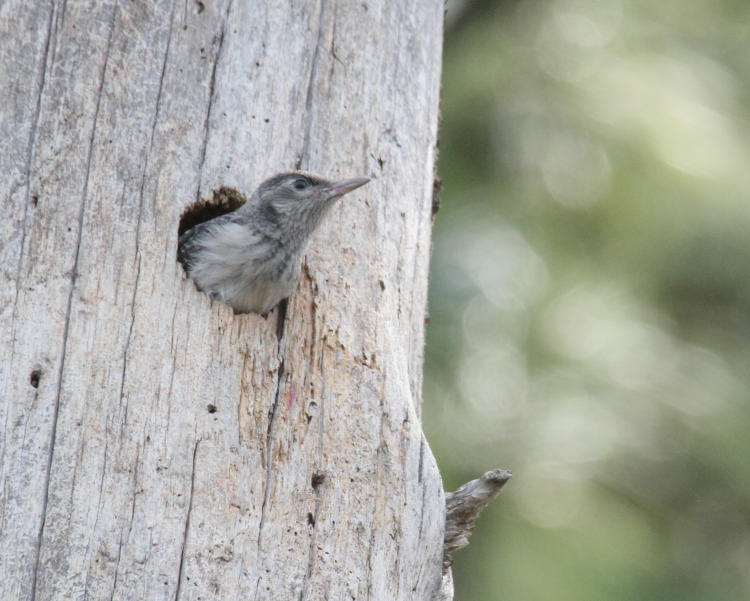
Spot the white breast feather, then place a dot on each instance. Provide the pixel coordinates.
(224, 266)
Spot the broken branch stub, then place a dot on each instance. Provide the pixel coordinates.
(463, 507)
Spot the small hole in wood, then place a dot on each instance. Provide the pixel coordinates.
(310, 519)
(35, 377)
(318, 478)
(211, 408)
(225, 200)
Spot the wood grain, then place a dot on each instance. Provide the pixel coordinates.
(166, 448)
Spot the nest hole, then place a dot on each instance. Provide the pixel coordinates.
(225, 200)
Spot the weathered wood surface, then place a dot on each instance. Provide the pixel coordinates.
(311, 479)
(464, 505)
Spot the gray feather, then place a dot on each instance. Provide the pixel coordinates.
(250, 259)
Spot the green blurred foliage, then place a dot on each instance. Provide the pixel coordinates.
(590, 296)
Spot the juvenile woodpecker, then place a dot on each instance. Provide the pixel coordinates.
(250, 258)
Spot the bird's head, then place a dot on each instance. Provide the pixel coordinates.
(297, 201)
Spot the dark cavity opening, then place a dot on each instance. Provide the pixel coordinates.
(35, 377)
(225, 200)
(318, 478)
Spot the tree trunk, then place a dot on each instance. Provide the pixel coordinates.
(153, 446)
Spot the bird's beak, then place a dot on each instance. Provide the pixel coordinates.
(344, 186)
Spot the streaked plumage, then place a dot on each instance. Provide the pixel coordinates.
(250, 259)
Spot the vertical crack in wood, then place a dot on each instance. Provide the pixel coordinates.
(29, 158)
(424, 487)
(181, 571)
(376, 486)
(101, 487)
(281, 322)
(73, 276)
(311, 554)
(173, 353)
(63, 11)
(303, 157)
(117, 568)
(124, 419)
(92, 531)
(130, 521)
(135, 488)
(157, 109)
(171, 335)
(211, 97)
(27, 417)
(280, 326)
(420, 468)
(304, 594)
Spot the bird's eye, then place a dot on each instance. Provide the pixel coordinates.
(300, 184)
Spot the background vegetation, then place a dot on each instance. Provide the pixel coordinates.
(590, 296)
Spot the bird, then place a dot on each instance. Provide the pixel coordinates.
(250, 259)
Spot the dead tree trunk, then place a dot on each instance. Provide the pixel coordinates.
(153, 446)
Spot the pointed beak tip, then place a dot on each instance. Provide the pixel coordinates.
(345, 186)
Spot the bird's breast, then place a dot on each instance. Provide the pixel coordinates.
(260, 295)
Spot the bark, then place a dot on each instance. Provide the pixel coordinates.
(153, 446)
